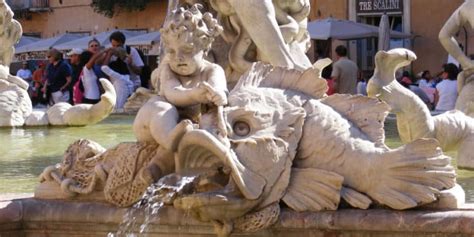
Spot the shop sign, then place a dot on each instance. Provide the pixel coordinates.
(379, 6)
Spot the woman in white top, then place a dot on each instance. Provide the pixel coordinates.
(447, 90)
(89, 78)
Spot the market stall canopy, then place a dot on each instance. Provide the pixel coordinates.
(331, 28)
(145, 39)
(103, 39)
(24, 40)
(46, 44)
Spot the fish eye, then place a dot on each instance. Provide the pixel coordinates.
(241, 128)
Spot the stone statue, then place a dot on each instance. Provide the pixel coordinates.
(10, 34)
(284, 134)
(275, 138)
(192, 90)
(15, 105)
(282, 21)
(454, 130)
(65, 114)
(461, 17)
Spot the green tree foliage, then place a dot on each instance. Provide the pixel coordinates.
(109, 7)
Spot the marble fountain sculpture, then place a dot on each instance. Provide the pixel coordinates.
(15, 105)
(461, 17)
(273, 153)
(275, 140)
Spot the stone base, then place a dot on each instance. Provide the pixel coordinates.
(32, 217)
(52, 191)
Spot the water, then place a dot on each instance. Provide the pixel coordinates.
(25, 152)
(156, 196)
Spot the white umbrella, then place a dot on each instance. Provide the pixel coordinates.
(103, 39)
(145, 39)
(332, 28)
(384, 33)
(47, 44)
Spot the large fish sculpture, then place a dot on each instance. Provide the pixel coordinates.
(290, 143)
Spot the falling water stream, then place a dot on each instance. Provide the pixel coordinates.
(156, 196)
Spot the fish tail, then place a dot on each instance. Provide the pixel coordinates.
(411, 175)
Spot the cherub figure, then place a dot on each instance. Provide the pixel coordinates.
(10, 33)
(191, 89)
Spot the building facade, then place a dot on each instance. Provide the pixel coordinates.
(77, 16)
(421, 18)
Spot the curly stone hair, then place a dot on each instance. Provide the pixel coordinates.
(191, 27)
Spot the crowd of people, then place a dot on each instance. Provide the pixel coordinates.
(76, 80)
(438, 92)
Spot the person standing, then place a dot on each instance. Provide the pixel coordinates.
(24, 73)
(134, 61)
(74, 59)
(58, 76)
(344, 73)
(447, 91)
(38, 82)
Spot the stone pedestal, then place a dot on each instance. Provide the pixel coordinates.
(40, 218)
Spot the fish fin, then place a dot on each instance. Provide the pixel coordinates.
(308, 82)
(366, 113)
(355, 199)
(411, 175)
(313, 190)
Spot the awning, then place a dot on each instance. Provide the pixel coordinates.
(47, 44)
(24, 40)
(331, 28)
(145, 39)
(103, 39)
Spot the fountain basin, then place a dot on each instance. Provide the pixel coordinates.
(25, 216)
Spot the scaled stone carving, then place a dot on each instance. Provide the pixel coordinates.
(454, 130)
(461, 17)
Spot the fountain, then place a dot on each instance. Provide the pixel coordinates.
(273, 156)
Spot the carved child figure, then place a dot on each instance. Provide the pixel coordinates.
(191, 88)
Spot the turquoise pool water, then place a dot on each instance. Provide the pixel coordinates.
(25, 152)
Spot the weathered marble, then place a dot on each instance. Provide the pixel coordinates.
(454, 130)
(460, 18)
(282, 21)
(275, 141)
(15, 103)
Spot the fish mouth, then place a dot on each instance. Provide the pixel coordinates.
(223, 190)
